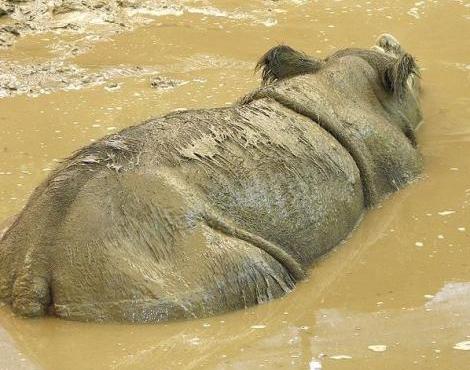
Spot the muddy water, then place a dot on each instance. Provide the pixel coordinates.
(396, 295)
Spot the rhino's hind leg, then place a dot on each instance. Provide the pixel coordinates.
(236, 274)
(291, 265)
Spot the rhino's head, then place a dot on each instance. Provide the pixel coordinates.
(396, 82)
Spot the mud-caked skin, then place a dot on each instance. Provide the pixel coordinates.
(206, 211)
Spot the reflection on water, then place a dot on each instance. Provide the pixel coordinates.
(395, 295)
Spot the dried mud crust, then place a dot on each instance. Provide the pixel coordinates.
(47, 77)
(22, 17)
(96, 20)
(83, 23)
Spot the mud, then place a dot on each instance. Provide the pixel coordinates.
(74, 27)
(27, 16)
(396, 295)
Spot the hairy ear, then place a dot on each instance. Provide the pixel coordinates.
(395, 75)
(282, 62)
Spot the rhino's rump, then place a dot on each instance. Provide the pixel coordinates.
(144, 233)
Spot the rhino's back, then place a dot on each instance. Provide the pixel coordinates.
(270, 170)
(123, 233)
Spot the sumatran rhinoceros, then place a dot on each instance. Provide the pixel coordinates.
(205, 211)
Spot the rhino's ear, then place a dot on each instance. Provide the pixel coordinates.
(282, 62)
(396, 74)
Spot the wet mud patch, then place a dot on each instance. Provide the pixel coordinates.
(23, 17)
(45, 78)
(41, 41)
(26, 17)
(162, 83)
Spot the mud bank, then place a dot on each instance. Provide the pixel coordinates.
(23, 17)
(65, 30)
(86, 23)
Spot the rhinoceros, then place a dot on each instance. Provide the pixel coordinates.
(201, 212)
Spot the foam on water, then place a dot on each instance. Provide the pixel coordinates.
(377, 347)
(208, 11)
(463, 346)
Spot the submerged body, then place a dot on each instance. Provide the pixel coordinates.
(201, 212)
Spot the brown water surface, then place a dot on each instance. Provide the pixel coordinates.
(396, 295)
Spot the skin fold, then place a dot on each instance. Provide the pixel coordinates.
(206, 211)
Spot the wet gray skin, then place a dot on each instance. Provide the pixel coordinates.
(206, 211)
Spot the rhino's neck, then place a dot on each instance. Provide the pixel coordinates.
(383, 153)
